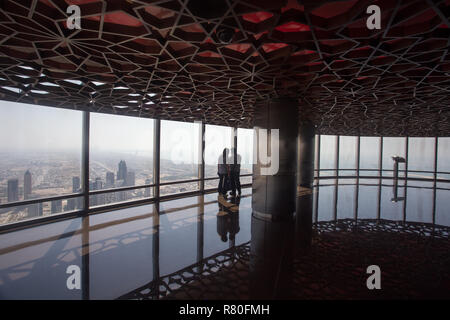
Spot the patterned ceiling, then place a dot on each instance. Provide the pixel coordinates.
(161, 59)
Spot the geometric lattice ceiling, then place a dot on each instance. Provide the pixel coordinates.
(160, 59)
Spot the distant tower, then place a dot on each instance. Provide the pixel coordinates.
(13, 190)
(131, 179)
(109, 197)
(147, 192)
(75, 203)
(35, 210)
(56, 206)
(109, 179)
(93, 198)
(75, 184)
(27, 185)
(98, 185)
(122, 173)
(71, 204)
(98, 199)
(79, 203)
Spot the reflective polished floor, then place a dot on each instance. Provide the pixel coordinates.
(125, 248)
(199, 243)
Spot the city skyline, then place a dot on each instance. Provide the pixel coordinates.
(51, 164)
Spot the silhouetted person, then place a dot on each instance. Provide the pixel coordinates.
(235, 171)
(222, 171)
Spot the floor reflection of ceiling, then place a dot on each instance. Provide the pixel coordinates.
(413, 258)
(160, 60)
(221, 276)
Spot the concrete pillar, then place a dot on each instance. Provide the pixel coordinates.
(271, 259)
(274, 182)
(274, 198)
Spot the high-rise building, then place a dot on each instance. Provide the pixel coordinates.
(131, 179)
(75, 184)
(110, 183)
(99, 199)
(35, 210)
(147, 192)
(13, 190)
(98, 184)
(79, 202)
(122, 172)
(120, 183)
(121, 196)
(109, 179)
(75, 203)
(93, 198)
(27, 185)
(56, 206)
(71, 204)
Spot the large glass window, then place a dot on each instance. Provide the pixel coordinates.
(347, 155)
(40, 152)
(326, 203)
(216, 139)
(443, 160)
(369, 156)
(419, 202)
(393, 147)
(346, 205)
(180, 143)
(442, 216)
(121, 155)
(367, 201)
(421, 157)
(392, 204)
(328, 153)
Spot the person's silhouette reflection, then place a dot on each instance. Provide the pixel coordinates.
(233, 222)
(222, 217)
(228, 219)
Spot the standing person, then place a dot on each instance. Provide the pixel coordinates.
(222, 171)
(235, 171)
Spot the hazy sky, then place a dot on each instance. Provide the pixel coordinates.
(121, 134)
(28, 127)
